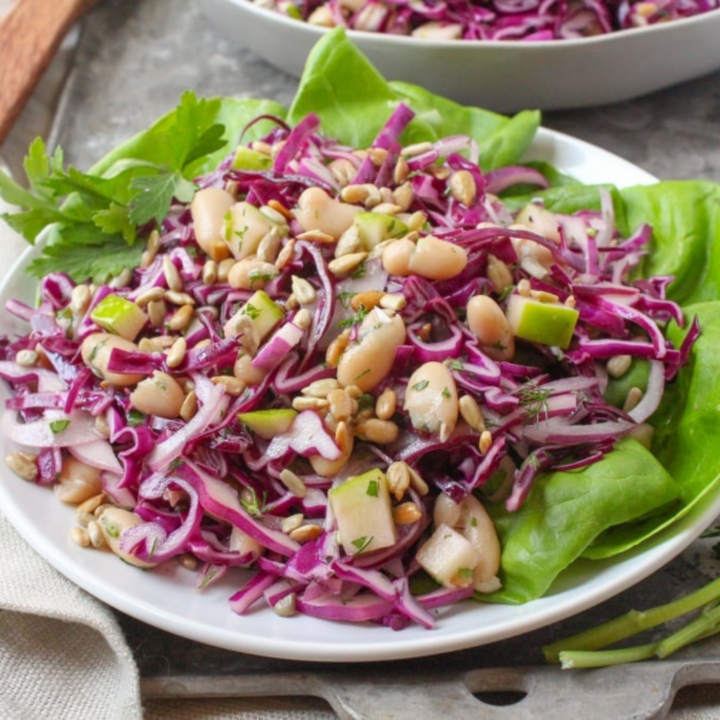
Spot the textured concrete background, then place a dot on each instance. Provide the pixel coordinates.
(135, 59)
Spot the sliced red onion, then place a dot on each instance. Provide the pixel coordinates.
(278, 346)
(51, 430)
(220, 500)
(250, 593)
(150, 541)
(97, 454)
(653, 393)
(444, 596)
(559, 431)
(505, 177)
(361, 608)
(20, 309)
(209, 413)
(307, 436)
(436, 351)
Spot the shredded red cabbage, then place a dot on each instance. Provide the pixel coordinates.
(529, 20)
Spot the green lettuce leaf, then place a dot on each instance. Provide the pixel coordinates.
(685, 216)
(566, 511)
(687, 427)
(353, 102)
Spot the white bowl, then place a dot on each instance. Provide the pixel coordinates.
(504, 76)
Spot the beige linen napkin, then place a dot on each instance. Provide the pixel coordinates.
(62, 654)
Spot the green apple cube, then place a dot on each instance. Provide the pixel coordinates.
(363, 512)
(248, 159)
(268, 423)
(264, 312)
(374, 228)
(548, 323)
(118, 315)
(245, 227)
(448, 557)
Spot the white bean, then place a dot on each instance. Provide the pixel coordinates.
(243, 370)
(78, 481)
(96, 349)
(437, 259)
(251, 274)
(316, 210)
(367, 362)
(430, 258)
(488, 323)
(446, 511)
(209, 208)
(159, 395)
(113, 522)
(431, 399)
(396, 257)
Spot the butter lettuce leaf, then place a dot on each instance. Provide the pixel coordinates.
(353, 102)
(566, 511)
(687, 428)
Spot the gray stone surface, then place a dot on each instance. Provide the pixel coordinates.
(134, 61)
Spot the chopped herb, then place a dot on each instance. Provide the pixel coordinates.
(253, 505)
(534, 400)
(345, 298)
(251, 311)
(499, 345)
(358, 272)
(57, 426)
(135, 418)
(259, 275)
(175, 464)
(506, 293)
(153, 547)
(446, 393)
(208, 577)
(365, 402)
(362, 374)
(465, 573)
(373, 488)
(473, 522)
(362, 543)
(418, 386)
(355, 319)
(456, 365)
(111, 529)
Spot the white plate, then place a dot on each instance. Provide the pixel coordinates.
(166, 598)
(504, 76)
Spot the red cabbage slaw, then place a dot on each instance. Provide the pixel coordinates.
(202, 485)
(531, 20)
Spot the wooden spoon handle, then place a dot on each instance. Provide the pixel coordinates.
(29, 36)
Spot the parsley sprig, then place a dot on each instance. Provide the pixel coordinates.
(95, 221)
